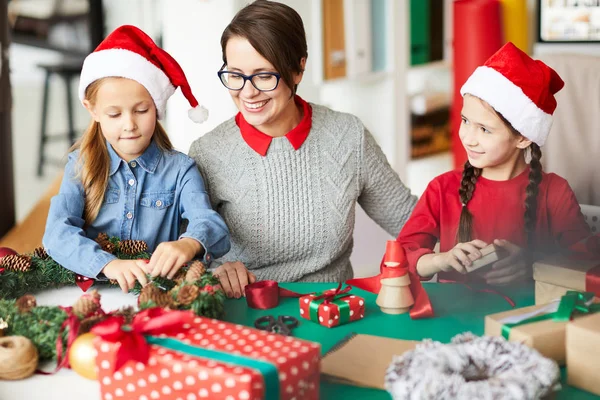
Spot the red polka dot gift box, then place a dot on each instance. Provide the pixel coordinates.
(332, 307)
(179, 356)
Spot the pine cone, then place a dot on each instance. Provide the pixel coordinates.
(88, 323)
(133, 247)
(195, 271)
(126, 312)
(25, 303)
(155, 295)
(104, 241)
(40, 252)
(16, 262)
(187, 294)
(87, 304)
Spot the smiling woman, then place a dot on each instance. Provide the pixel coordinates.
(286, 174)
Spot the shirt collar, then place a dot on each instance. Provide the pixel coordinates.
(260, 141)
(148, 160)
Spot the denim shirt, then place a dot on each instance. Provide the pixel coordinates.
(145, 199)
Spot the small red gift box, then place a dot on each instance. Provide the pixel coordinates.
(205, 359)
(332, 307)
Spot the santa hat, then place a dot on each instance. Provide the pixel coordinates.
(129, 53)
(519, 88)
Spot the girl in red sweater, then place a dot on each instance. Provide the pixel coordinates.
(497, 198)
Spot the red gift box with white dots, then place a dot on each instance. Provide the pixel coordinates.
(329, 313)
(178, 376)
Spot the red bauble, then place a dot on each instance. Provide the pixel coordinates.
(5, 251)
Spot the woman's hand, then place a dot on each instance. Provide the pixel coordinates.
(169, 257)
(126, 272)
(234, 277)
(511, 268)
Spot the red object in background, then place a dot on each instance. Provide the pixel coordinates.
(5, 251)
(394, 255)
(477, 36)
(83, 282)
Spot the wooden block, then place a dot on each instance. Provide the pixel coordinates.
(491, 254)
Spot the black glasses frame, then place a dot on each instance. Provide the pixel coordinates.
(249, 78)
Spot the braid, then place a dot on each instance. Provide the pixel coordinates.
(535, 177)
(465, 192)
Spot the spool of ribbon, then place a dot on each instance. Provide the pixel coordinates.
(569, 305)
(135, 341)
(265, 294)
(333, 297)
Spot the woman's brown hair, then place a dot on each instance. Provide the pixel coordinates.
(467, 187)
(94, 160)
(276, 32)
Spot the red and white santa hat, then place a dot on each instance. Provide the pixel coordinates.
(520, 88)
(130, 53)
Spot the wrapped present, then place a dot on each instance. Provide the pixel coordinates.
(332, 307)
(542, 327)
(583, 353)
(174, 355)
(557, 274)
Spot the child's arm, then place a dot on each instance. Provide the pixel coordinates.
(64, 238)
(458, 258)
(206, 232)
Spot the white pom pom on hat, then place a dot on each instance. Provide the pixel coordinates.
(130, 53)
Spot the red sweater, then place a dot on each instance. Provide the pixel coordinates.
(497, 208)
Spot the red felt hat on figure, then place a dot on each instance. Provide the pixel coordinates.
(520, 88)
(129, 53)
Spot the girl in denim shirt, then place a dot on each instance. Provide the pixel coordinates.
(124, 178)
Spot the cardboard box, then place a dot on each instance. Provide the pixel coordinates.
(557, 274)
(547, 337)
(328, 313)
(490, 254)
(172, 374)
(583, 353)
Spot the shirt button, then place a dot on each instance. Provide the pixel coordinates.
(158, 203)
(129, 215)
(133, 164)
(131, 182)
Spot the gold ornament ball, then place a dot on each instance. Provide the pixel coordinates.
(82, 356)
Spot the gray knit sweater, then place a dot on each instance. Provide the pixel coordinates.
(291, 213)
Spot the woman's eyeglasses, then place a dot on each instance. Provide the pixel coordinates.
(263, 81)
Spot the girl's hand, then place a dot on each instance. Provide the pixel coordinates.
(511, 268)
(126, 272)
(169, 257)
(459, 257)
(234, 277)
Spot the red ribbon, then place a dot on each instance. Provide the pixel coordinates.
(72, 322)
(330, 295)
(83, 282)
(265, 294)
(152, 321)
(422, 307)
(592, 281)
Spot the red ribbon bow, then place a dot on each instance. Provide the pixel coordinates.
(330, 295)
(152, 321)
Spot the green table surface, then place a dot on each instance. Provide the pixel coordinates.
(457, 309)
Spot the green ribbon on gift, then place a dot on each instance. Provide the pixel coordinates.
(333, 298)
(570, 304)
(268, 370)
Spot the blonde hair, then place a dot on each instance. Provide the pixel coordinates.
(94, 160)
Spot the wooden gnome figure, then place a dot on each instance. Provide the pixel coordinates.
(395, 296)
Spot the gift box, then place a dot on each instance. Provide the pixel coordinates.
(542, 327)
(583, 353)
(202, 358)
(555, 275)
(332, 307)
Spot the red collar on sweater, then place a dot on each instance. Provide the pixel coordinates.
(260, 142)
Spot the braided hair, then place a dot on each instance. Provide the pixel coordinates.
(467, 187)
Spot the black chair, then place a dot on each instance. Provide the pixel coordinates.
(67, 70)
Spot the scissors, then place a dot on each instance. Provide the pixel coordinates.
(282, 325)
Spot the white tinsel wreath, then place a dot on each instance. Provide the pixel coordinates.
(472, 367)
